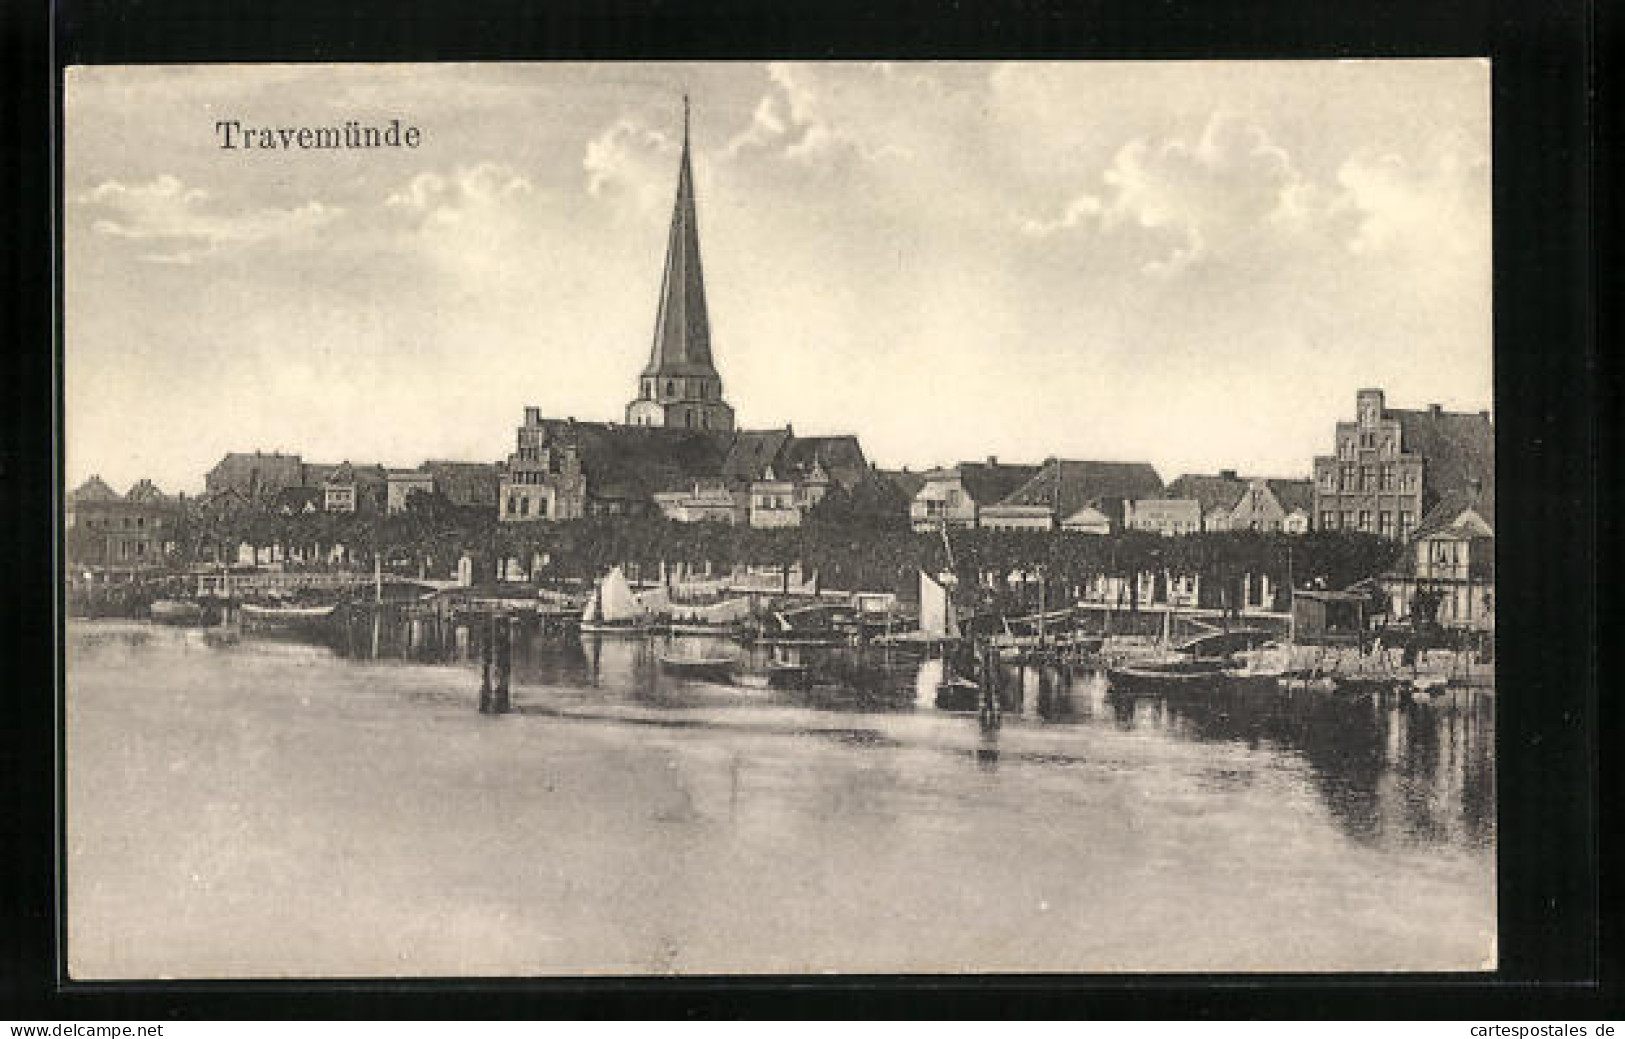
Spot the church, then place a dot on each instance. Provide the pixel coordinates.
(678, 453)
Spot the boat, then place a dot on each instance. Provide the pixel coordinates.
(1163, 676)
(614, 609)
(715, 669)
(939, 621)
(176, 611)
(956, 693)
(285, 615)
(724, 619)
(792, 628)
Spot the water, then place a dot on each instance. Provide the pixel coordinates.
(271, 808)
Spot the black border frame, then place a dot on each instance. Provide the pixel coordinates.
(1550, 399)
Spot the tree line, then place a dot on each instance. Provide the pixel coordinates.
(852, 540)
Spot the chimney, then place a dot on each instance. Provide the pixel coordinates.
(1434, 410)
(992, 461)
(1484, 414)
(1227, 474)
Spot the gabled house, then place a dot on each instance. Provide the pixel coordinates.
(126, 532)
(1449, 563)
(1391, 466)
(955, 496)
(1091, 519)
(1170, 517)
(403, 483)
(705, 500)
(1063, 487)
(339, 489)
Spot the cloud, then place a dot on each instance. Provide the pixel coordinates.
(630, 161)
(1193, 200)
(433, 200)
(816, 118)
(188, 223)
(1436, 204)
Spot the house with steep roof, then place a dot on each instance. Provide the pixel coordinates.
(1170, 517)
(91, 492)
(1390, 466)
(255, 475)
(1063, 487)
(1091, 519)
(1216, 495)
(1450, 563)
(955, 496)
(124, 533)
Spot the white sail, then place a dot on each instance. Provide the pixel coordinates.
(936, 612)
(593, 612)
(616, 602)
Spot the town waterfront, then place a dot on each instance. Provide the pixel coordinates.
(269, 807)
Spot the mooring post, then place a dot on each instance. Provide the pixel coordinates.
(501, 702)
(486, 650)
(989, 709)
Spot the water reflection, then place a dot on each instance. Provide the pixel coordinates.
(1384, 771)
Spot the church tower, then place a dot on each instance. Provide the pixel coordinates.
(680, 387)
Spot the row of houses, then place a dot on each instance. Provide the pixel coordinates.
(1389, 469)
(562, 469)
(1091, 497)
(287, 484)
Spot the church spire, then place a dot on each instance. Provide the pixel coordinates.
(682, 339)
(680, 387)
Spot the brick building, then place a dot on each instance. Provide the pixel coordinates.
(1390, 466)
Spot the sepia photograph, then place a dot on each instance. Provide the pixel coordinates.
(561, 519)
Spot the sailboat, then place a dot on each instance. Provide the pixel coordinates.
(614, 609)
(939, 624)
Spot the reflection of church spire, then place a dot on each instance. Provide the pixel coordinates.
(682, 342)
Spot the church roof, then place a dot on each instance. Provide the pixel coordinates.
(635, 462)
(682, 339)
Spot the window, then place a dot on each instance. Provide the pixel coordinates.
(953, 499)
(705, 420)
(1385, 523)
(671, 388)
(541, 506)
(1368, 478)
(1365, 519)
(1387, 477)
(1348, 519)
(1368, 440)
(688, 419)
(1350, 475)
(1405, 523)
(1328, 479)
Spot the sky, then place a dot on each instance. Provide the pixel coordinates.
(1192, 264)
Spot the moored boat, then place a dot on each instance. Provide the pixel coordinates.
(285, 615)
(1163, 676)
(176, 611)
(715, 669)
(614, 609)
